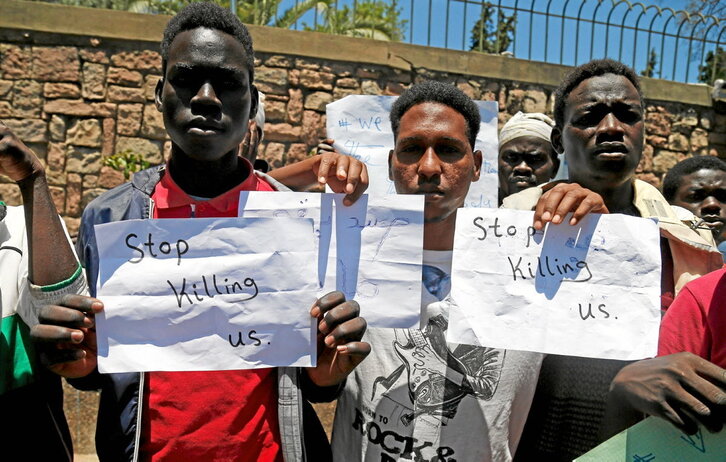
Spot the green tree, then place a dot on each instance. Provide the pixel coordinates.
(375, 19)
(650, 65)
(714, 67)
(490, 37)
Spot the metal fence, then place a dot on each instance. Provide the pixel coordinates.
(566, 32)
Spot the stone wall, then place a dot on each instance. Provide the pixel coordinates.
(78, 97)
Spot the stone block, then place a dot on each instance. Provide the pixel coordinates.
(468, 90)
(118, 94)
(153, 123)
(394, 88)
(317, 101)
(296, 153)
(646, 160)
(56, 64)
(109, 136)
(313, 128)
(347, 83)
(282, 132)
(293, 77)
(74, 188)
(125, 77)
(149, 150)
(57, 128)
(150, 86)
(657, 123)
(275, 111)
(129, 119)
(93, 56)
(56, 177)
(79, 108)
(61, 90)
(717, 138)
(6, 110)
(650, 178)
(56, 157)
(145, 60)
(90, 181)
(85, 132)
(94, 81)
(28, 130)
(278, 61)
(535, 101)
(664, 160)
(5, 87)
(657, 141)
(110, 178)
(370, 87)
(271, 80)
(15, 62)
(295, 106)
(688, 117)
(10, 194)
(58, 195)
(699, 139)
(305, 64)
(83, 160)
(166, 150)
(27, 99)
(678, 142)
(367, 73)
(273, 154)
(316, 80)
(72, 225)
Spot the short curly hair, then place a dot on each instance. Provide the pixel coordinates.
(672, 180)
(581, 73)
(432, 91)
(211, 16)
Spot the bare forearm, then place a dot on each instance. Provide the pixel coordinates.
(299, 176)
(51, 256)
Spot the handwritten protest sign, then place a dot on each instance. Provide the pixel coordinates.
(371, 251)
(589, 290)
(655, 440)
(360, 126)
(206, 294)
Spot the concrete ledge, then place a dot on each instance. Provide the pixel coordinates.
(119, 25)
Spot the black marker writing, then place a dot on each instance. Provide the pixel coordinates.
(211, 288)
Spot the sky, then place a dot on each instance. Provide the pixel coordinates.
(427, 25)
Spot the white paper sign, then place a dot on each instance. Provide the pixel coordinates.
(360, 126)
(206, 294)
(371, 251)
(590, 290)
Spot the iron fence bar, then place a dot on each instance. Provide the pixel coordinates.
(622, 30)
(592, 30)
(514, 37)
(635, 42)
(446, 30)
(607, 26)
(577, 28)
(703, 48)
(690, 42)
(678, 36)
(531, 23)
(547, 28)
(410, 12)
(562, 31)
(715, 55)
(499, 8)
(463, 29)
(662, 45)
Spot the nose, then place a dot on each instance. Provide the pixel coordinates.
(522, 167)
(429, 166)
(610, 126)
(206, 96)
(711, 206)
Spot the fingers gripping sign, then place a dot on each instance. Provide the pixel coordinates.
(340, 330)
(559, 199)
(344, 174)
(66, 335)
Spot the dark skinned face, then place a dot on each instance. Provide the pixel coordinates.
(602, 135)
(704, 193)
(205, 95)
(433, 156)
(525, 162)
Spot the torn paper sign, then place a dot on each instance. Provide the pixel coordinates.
(361, 128)
(590, 290)
(371, 251)
(206, 294)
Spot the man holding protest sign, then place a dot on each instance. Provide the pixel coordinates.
(420, 397)
(599, 117)
(206, 96)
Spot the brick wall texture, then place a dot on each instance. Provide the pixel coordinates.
(76, 105)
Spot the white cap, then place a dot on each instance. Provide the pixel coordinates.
(260, 115)
(534, 124)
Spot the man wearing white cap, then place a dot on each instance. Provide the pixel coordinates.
(526, 156)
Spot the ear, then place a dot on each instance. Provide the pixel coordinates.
(556, 139)
(477, 165)
(157, 93)
(390, 165)
(555, 165)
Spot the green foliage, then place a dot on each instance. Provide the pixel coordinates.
(126, 162)
(706, 72)
(490, 37)
(650, 65)
(371, 18)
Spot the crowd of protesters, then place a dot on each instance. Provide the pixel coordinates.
(478, 403)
